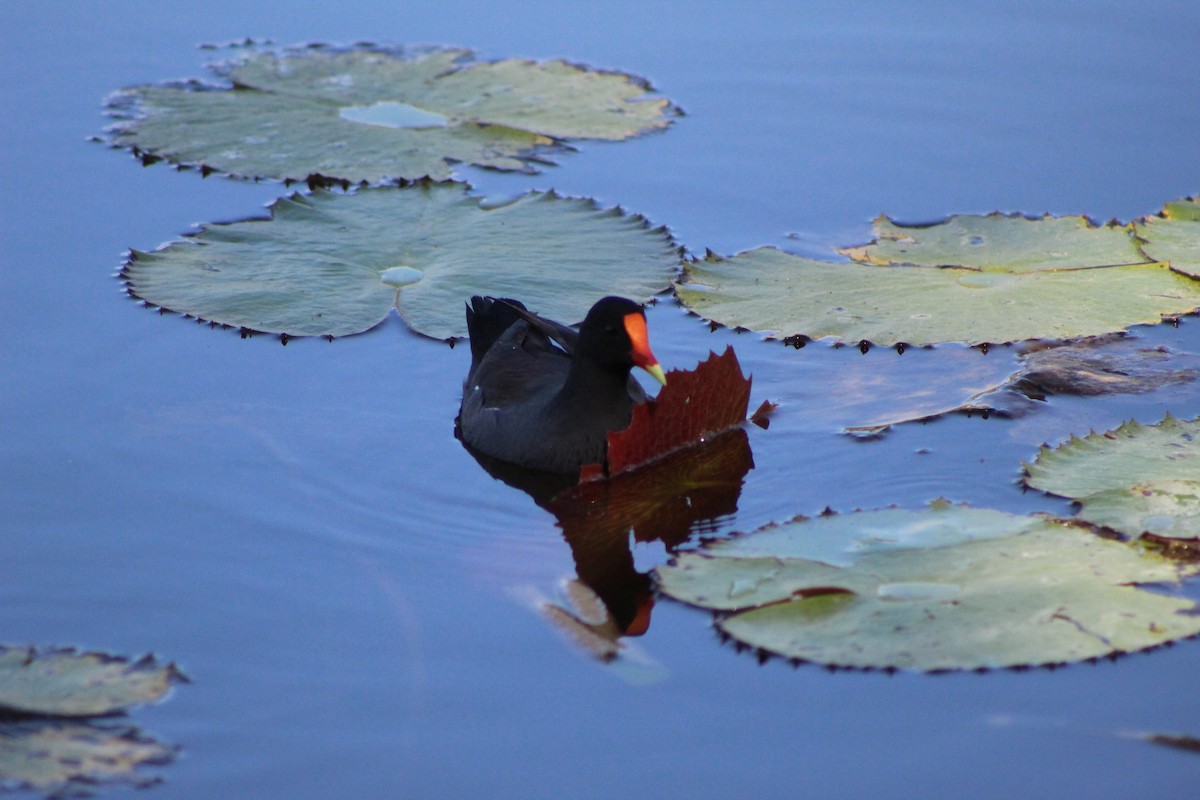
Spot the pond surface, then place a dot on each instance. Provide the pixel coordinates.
(351, 593)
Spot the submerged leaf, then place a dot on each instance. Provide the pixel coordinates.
(67, 758)
(367, 114)
(1104, 366)
(1090, 367)
(71, 684)
(945, 588)
(334, 264)
(1135, 479)
(786, 295)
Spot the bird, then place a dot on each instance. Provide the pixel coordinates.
(544, 396)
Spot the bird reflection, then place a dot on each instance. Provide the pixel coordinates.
(669, 500)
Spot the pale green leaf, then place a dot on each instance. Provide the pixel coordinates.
(367, 114)
(1119, 458)
(1173, 236)
(72, 684)
(1135, 479)
(1000, 243)
(334, 264)
(784, 295)
(1166, 508)
(944, 588)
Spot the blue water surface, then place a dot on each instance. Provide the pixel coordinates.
(350, 593)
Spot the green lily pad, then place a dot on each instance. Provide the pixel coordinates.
(368, 114)
(68, 759)
(1174, 236)
(785, 296)
(334, 264)
(1000, 243)
(1166, 509)
(1135, 479)
(1187, 208)
(67, 683)
(944, 588)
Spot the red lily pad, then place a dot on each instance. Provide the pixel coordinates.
(694, 407)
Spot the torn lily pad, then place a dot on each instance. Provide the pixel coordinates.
(68, 759)
(789, 296)
(1137, 479)
(334, 264)
(944, 588)
(1173, 236)
(369, 114)
(67, 683)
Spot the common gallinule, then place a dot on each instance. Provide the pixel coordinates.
(544, 396)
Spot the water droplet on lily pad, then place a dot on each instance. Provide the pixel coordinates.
(391, 114)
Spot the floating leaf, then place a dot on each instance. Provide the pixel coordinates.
(67, 759)
(694, 407)
(368, 114)
(944, 588)
(785, 296)
(1000, 243)
(334, 264)
(1174, 236)
(1167, 509)
(67, 683)
(866, 399)
(1135, 479)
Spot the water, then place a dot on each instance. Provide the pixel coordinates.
(298, 528)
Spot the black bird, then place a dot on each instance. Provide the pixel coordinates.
(543, 395)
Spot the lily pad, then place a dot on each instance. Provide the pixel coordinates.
(788, 296)
(944, 588)
(1136, 479)
(67, 683)
(369, 114)
(334, 264)
(1173, 236)
(68, 759)
(1000, 243)
(1166, 509)
(693, 408)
